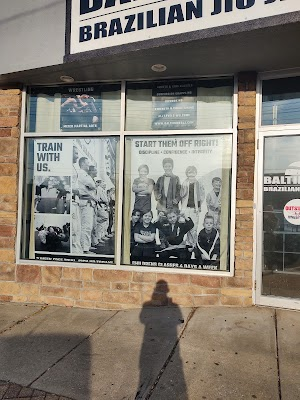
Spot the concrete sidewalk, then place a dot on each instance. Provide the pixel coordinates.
(55, 353)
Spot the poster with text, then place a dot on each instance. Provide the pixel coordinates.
(81, 109)
(178, 199)
(174, 105)
(74, 199)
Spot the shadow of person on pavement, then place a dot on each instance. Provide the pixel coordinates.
(161, 371)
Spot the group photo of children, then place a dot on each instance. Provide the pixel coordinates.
(177, 215)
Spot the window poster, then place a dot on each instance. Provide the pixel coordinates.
(178, 199)
(174, 105)
(80, 108)
(73, 200)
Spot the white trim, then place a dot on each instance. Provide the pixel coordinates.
(233, 177)
(274, 130)
(281, 302)
(127, 133)
(21, 177)
(118, 244)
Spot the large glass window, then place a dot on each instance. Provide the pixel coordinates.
(281, 101)
(76, 108)
(177, 105)
(175, 185)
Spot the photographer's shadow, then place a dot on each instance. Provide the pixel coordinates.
(160, 364)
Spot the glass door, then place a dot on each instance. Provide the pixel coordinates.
(278, 222)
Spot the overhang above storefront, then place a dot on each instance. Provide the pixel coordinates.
(259, 49)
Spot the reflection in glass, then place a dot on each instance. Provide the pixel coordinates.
(281, 101)
(281, 218)
(90, 107)
(205, 104)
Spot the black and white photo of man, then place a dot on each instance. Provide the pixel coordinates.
(87, 203)
(76, 218)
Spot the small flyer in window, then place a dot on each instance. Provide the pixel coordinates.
(174, 105)
(81, 109)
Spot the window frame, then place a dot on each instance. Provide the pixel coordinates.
(119, 214)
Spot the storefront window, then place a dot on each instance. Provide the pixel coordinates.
(178, 105)
(176, 186)
(69, 199)
(77, 108)
(281, 101)
(176, 211)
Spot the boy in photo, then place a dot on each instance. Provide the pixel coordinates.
(213, 201)
(171, 233)
(167, 188)
(208, 244)
(192, 196)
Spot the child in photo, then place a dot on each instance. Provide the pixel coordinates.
(143, 188)
(192, 196)
(135, 219)
(167, 188)
(172, 233)
(213, 201)
(208, 244)
(144, 238)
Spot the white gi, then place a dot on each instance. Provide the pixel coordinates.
(87, 204)
(76, 217)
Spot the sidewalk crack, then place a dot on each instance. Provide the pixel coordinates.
(277, 356)
(151, 390)
(74, 348)
(24, 319)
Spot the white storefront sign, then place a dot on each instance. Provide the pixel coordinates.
(99, 24)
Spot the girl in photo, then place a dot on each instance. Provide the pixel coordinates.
(135, 219)
(144, 237)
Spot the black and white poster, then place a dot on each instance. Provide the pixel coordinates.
(179, 201)
(174, 105)
(81, 109)
(74, 199)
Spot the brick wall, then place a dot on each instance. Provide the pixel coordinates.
(106, 289)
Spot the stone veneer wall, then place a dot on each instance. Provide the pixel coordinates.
(108, 289)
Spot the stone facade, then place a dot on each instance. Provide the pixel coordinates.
(107, 289)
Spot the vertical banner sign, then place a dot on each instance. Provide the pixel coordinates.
(74, 199)
(81, 109)
(174, 105)
(179, 201)
(99, 24)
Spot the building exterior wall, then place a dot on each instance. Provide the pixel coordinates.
(29, 36)
(115, 289)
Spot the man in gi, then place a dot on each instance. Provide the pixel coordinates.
(76, 218)
(87, 203)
